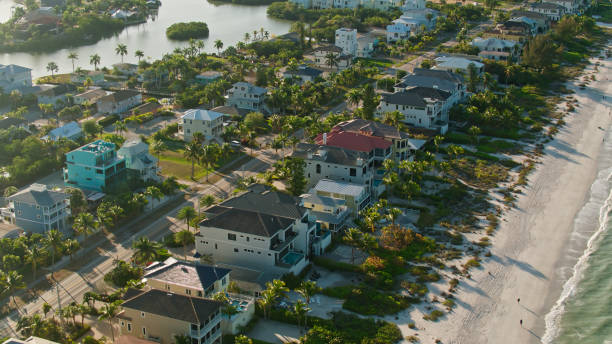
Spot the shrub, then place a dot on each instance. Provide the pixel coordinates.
(434, 315)
(368, 301)
(449, 303)
(122, 273)
(185, 31)
(333, 265)
(108, 120)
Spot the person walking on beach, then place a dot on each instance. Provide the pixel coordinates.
(518, 300)
(521, 321)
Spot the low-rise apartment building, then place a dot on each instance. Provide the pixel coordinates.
(38, 209)
(160, 315)
(93, 166)
(246, 96)
(207, 122)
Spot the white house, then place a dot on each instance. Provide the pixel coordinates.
(14, 77)
(322, 58)
(346, 39)
(397, 31)
(246, 96)
(324, 4)
(119, 102)
(139, 160)
(355, 196)
(207, 122)
(365, 46)
(457, 64)
(89, 97)
(261, 229)
(571, 6)
(413, 5)
(422, 107)
(331, 213)
(336, 163)
(69, 131)
(496, 44)
(450, 82)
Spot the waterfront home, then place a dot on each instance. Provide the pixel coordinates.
(89, 97)
(56, 95)
(331, 213)
(139, 161)
(247, 96)
(97, 77)
(448, 81)
(413, 5)
(207, 122)
(208, 77)
(422, 107)
(14, 77)
(336, 163)
(160, 315)
(44, 17)
(303, 74)
(571, 6)
(553, 11)
(495, 48)
(261, 229)
(38, 209)
(542, 22)
(69, 131)
(377, 148)
(458, 64)
(382, 5)
(94, 166)
(355, 196)
(119, 102)
(400, 141)
(339, 61)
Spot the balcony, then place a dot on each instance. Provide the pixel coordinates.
(206, 328)
(280, 245)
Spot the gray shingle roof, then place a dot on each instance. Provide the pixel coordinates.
(415, 96)
(439, 74)
(245, 221)
(39, 194)
(260, 198)
(187, 274)
(305, 70)
(186, 308)
(118, 96)
(331, 154)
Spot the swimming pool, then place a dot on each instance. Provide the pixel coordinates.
(291, 258)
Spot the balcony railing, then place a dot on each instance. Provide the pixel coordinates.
(204, 330)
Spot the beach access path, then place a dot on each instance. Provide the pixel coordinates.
(533, 237)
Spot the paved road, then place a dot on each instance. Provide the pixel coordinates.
(73, 287)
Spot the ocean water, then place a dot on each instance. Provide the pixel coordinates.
(583, 313)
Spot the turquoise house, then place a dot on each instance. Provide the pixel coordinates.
(93, 166)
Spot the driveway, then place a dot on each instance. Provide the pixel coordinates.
(275, 332)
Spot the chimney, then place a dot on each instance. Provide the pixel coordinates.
(324, 138)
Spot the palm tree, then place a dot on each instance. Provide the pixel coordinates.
(52, 67)
(94, 60)
(265, 301)
(121, 49)
(155, 193)
(437, 140)
(393, 118)
(186, 214)
(84, 224)
(139, 54)
(157, 147)
(109, 311)
(208, 200)
(54, 241)
(307, 289)
(71, 246)
(120, 127)
(474, 131)
(353, 237)
(145, 250)
(11, 282)
(192, 152)
(247, 37)
(368, 242)
(393, 214)
(353, 96)
(73, 56)
(218, 46)
(209, 156)
(332, 60)
(185, 237)
(46, 308)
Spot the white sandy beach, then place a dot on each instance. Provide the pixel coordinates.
(530, 247)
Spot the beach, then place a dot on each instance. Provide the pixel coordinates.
(541, 242)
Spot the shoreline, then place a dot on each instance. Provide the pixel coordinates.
(535, 248)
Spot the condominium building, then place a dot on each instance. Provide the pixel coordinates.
(94, 166)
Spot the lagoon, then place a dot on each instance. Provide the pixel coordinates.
(227, 22)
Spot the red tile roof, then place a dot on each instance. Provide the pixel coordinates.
(353, 141)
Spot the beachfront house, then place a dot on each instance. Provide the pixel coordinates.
(402, 149)
(14, 77)
(346, 39)
(458, 64)
(38, 209)
(94, 166)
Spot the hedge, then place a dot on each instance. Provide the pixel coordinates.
(333, 265)
(108, 120)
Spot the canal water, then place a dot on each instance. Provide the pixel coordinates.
(227, 22)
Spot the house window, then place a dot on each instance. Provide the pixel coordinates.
(353, 172)
(318, 169)
(216, 246)
(144, 331)
(129, 327)
(236, 250)
(224, 280)
(122, 324)
(199, 293)
(187, 291)
(231, 236)
(142, 315)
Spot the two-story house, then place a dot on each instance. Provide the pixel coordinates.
(331, 213)
(246, 96)
(93, 166)
(355, 196)
(336, 163)
(422, 107)
(207, 122)
(160, 315)
(56, 95)
(38, 209)
(89, 97)
(139, 161)
(261, 229)
(119, 102)
(14, 77)
(402, 149)
(553, 11)
(571, 6)
(331, 58)
(444, 80)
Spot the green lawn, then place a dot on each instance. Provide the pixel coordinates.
(382, 63)
(173, 163)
